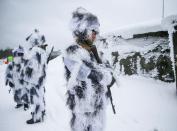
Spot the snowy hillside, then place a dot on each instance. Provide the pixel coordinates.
(146, 56)
(141, 104)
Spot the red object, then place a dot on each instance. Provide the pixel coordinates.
(6, 62)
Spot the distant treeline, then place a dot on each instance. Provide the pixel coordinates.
(5, 53)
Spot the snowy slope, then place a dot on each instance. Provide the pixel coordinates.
(124, 46)
(142, 105)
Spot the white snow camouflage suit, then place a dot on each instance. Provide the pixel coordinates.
(14, 78)
(86, 89)
(34, 74)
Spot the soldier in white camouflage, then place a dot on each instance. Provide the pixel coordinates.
(14, 79)
(34, 74)
(86, 80)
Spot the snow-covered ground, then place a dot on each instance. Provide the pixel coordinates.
(142, 104)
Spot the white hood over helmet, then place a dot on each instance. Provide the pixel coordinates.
(83, 22)
(19, 51)
(35, 39)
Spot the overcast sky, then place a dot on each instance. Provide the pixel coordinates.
(18, 18)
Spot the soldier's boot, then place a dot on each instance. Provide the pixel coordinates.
(31, 121)
(26, 107)
(18, 106)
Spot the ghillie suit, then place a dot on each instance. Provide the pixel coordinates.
(86, 89)
(14, 79)
(86, 80)
(34, 74)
